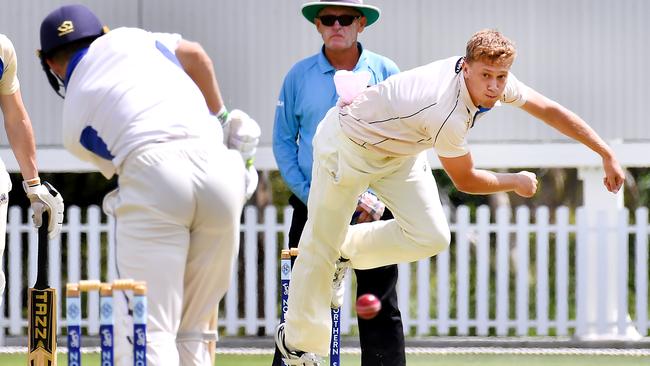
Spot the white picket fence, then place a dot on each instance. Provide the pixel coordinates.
(500, 277)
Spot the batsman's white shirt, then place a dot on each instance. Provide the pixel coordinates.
(132, 110)
(100, 127)
(419, 108)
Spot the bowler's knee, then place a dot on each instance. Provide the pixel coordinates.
(438, 238)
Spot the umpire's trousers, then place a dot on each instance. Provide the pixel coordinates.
(381, 338)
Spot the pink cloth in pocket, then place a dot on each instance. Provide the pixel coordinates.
(349, 84)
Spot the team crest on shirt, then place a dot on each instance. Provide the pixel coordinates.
(3, 199)
(459, 65)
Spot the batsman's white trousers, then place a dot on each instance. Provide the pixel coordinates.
(5, 187)
(342, 170)
(177, 213)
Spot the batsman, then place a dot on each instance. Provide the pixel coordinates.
(147, 107)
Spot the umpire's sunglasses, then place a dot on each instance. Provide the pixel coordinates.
(344, 20)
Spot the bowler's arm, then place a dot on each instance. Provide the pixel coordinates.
(468, 179)
(571, 125)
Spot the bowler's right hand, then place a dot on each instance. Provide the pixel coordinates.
(525, 184)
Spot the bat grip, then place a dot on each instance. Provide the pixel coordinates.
(43, 244)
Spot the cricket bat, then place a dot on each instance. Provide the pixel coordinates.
(41, 303)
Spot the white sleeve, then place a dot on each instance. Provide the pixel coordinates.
(515, 92)
(169, 40)
(8, 75)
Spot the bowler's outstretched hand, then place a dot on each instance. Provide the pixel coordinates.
(614, 175)
(526, 184)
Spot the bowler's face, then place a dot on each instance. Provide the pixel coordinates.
(485, 81)
(338, 37)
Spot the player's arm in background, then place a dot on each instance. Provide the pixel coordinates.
(19, 131)
(17, 123)
(571, 125)
(285, 140)
(21, 138)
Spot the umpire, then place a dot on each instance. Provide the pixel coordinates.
(307, 93)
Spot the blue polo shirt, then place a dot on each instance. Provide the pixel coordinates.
(308, 92)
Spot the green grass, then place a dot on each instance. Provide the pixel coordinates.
(412, 360)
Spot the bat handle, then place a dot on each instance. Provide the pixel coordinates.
(43, 244)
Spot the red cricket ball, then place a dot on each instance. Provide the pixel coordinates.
(368, 306)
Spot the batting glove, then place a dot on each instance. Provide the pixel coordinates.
(242, 133)
(44, 197)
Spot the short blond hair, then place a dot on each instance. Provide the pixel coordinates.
(491, 46)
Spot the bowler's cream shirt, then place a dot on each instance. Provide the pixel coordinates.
(425, 107)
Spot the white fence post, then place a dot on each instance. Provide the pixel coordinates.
(462, 269)
(601, 302)
(442, 276)
(521, 282)
(503, 270)
(93, 265)
(623, 268)
(15, 274)
(541, 266)
(483, 270)
(403, 294)
(271, 261)
(250, 271)
(641, 270)
(562, 271)
(423, 297)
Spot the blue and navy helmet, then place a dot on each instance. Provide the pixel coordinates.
(65, 25)
(68, 24)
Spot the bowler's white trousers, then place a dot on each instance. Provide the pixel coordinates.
(177, 213)
(343, 170)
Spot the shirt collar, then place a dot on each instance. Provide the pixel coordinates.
(74, 60)
(326, 67)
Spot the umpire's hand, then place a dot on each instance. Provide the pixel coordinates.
(369, 208)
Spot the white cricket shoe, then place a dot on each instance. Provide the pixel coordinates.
(338, 290)
(291, 357)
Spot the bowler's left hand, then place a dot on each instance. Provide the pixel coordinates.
(614, 175)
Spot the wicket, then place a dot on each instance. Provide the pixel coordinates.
(286, 257)
(106, 322)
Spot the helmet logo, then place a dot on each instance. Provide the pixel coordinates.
(65, 28)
